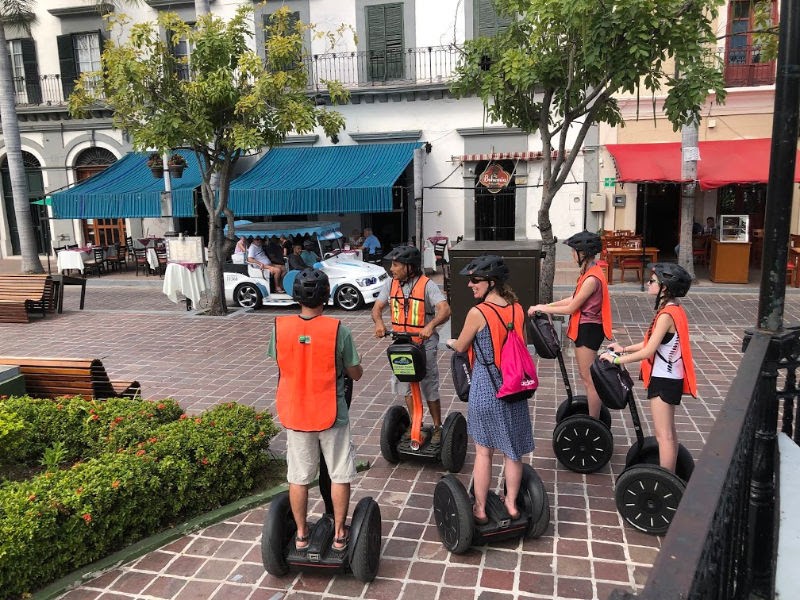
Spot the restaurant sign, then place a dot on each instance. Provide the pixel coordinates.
(494, 178)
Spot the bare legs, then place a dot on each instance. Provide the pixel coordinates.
(666, 435)
(482, 478)
(585, 357)
(434, 407)
(298, 500)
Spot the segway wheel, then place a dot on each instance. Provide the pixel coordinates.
(648, 455)
(279, 528)
(452, 511)
(647, 497)
(454, 442)
(535, 502)
(395, 424)
(580, 406)
(583, 444)
(365, 540)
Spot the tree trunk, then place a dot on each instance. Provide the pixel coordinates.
(216, 257)
(19, 182)
(688, 190)
(547, 274)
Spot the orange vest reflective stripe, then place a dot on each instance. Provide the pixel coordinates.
(408, 314)
(605, 307)
(682, 328)
(306, 352)
(497, 329)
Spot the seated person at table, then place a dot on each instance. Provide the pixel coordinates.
(356, 239)
(287, 245)
(256, 256)
(296, 262)
(309, 256)
(372, 245)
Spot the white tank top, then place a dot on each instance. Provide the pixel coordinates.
(667, 362)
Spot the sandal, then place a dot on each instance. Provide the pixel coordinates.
(340, 544)
(479, 521)
(301, 540)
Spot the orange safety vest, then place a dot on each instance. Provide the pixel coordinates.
(682, 327)
(306, 353)
(408, 314)
(497, 329)
(605, 307)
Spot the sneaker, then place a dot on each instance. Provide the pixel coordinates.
(436, 438)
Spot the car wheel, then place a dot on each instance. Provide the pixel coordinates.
(248, 295)
(348, 297)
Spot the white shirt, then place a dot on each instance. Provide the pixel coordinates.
(257, 252)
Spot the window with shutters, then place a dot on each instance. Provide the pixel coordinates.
(182, 51)
(744, 64)
(385, 42)
(487, 22)
(267, 26)
(25, 71)
(78, 53)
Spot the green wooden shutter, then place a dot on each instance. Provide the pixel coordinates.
(488, 23)
(385, 41)
(67, 64)
(33, 86)
(293, 19)
(394, 41)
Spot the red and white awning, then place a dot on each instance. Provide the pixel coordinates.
(532, 155)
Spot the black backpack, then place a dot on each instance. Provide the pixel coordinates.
(462, 374)
(613, 383)
(542, 334)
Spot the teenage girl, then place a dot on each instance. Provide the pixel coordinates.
(589, 308)
(665, 355)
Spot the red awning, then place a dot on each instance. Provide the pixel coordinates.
(721, 162)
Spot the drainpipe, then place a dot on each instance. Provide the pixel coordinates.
(418, 196)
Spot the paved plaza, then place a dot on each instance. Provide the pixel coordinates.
(202, 361)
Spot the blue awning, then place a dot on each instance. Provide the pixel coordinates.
(322, 180)
(127, 189)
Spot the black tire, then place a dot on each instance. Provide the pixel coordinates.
(452, 511)
(247, 295)
(365, 540)
(348, 297)
(454, 442)
(684, 466)
(395, 424)
(647, 497)
(534, 502)
(279, 528)
(580, 406)
(583, 444)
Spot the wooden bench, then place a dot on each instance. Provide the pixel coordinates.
(23, 294)
(51, 377)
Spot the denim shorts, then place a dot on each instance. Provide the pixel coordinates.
(303, 449)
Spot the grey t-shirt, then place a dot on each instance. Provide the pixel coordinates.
(433, 296)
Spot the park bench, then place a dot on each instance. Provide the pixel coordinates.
(23, 294)
(51, 377)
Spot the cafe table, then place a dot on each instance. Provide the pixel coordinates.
(615, 254)
(188, 279)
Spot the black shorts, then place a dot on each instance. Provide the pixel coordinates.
(590, 335)
(669, 390)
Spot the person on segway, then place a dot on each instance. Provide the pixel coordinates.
(491, 422)
(589, 308)
(665, 355)
(418, 307)
(314, 353)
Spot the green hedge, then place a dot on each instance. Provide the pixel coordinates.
(63, 519)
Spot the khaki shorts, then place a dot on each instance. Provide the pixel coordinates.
(430, 384)
(302, 455)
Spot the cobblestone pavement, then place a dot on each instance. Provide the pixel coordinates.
(201, 361)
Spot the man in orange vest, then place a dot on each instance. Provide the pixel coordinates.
(314, 353)
(417, 306)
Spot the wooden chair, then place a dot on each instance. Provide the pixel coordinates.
(701, 248)
(98, 264)
(140, 261)
(121, 260)
(162, 261)
(632, 263)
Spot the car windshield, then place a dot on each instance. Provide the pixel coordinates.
(331, 245)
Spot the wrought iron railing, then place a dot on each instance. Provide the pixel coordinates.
(720, 543)
(746, 66)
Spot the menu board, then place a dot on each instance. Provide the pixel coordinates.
(185, 250)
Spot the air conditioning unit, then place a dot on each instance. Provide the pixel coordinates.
(597, 202)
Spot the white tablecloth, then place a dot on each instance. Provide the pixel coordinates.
(152, 259)
(71, 259)
(191, 284)
(429, 257)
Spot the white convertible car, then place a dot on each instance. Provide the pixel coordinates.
(354, 282)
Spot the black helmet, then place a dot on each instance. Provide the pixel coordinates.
(311, 287)
(586, 242)
(673, 277)
(408, 255)
(488, 266)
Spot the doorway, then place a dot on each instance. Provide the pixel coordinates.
(494, 211)
(662, 228)
(41, 226)
(100, 232)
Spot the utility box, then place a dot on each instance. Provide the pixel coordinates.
(597, 202)
(523, 258)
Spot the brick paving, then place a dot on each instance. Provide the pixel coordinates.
(201, 361)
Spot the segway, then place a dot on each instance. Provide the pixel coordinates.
(581, 443)
(404, 437)
(452, 509)
(646, 494)
(278, 552)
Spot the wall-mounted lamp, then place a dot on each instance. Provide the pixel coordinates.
(428, 147)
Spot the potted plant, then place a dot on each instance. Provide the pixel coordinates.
(176, 165)
(156, 165)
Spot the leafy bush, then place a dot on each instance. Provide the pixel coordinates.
(60, 520)
(12, 436)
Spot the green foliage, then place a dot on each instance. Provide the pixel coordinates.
(12, 436)
(63, 519)
(54, 456)
(766, 30)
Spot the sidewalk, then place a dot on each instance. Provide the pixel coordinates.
(201, 361)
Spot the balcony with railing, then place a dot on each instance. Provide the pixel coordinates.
(746, 66)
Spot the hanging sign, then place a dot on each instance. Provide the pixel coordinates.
(494, 178)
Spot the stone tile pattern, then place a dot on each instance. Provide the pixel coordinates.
(201, 361)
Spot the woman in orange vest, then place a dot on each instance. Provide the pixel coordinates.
(589, 308)
(491, 422)
(665, 355)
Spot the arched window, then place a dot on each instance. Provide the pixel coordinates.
(33, 173)
(92, 161)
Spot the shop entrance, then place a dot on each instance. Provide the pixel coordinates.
(663, 215)
(494, 213)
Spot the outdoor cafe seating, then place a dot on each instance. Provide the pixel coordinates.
(87, 259)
